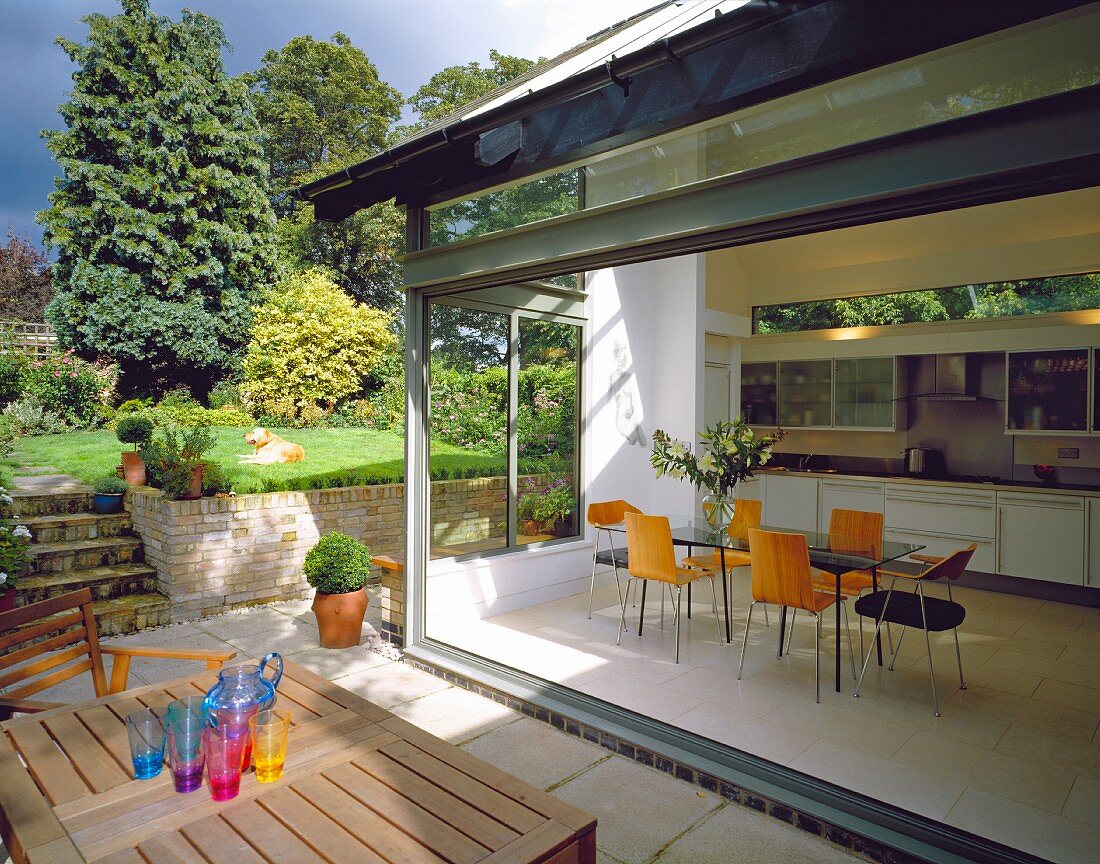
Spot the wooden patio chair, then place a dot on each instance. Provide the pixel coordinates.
(68, 645)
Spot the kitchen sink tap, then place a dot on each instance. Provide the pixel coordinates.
(804, 462)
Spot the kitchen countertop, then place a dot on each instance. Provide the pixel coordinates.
(1000, 485)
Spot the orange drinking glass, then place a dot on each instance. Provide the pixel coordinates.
(269, 731)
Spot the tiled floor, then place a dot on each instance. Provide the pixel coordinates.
(1015, 757)
(645, 817)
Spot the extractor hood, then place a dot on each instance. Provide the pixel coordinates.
(957, 380)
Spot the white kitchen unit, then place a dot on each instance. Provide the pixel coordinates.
(944, 519)
(844, 494)
(753, 489)
(1041, 536)
(791, 501)
(1092, 542)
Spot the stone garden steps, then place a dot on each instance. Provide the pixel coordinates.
(59, 527)
(73, 548)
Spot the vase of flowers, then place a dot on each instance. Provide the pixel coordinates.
(729, 452)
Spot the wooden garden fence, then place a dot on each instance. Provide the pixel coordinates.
(34, 340)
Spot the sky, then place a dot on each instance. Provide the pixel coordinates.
(408, 40)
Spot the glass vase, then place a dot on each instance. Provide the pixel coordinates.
(718, 510)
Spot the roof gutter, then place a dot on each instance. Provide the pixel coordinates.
(660, 53)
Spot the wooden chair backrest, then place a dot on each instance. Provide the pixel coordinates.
(609, 512)
(856, 532)
(649, 547)
(62, 627)
(781, 572)
(952, 566)
(746, 515)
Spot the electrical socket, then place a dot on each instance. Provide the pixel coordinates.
(1069, 453)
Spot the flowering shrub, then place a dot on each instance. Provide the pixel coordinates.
(14, 541)
(733, 450)
(546, 503)
(71, 387)
(470, 409)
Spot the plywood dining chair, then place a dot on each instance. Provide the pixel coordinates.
(781, 575)
(914, 609)
(600, 515)
(651, 558)
(746, 515)
(43, 644)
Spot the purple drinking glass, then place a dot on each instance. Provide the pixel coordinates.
(186, 754)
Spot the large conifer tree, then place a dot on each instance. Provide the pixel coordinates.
(160, 218)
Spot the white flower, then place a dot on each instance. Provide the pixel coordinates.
(5, 499)
(21, 531)
(707, 463)
(3, 578)
(677, 448)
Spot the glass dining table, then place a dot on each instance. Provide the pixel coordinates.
(832, 553)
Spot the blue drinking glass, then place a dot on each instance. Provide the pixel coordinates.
(146, 730)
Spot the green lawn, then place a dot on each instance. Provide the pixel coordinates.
(333, 457)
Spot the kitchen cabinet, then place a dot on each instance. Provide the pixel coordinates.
(1092, 542)
(863, 393)
(791, 502)
(1048, 391)
(844, 494)
(1041, 536)
(806, 393)
(758, 393)
(944, 519)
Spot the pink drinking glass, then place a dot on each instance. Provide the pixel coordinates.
(223, 762)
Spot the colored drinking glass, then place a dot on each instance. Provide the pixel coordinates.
(185, 751)
(146, 730)
(223, 762)
(269, 730)
(188, 705)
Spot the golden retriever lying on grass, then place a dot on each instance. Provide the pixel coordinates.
(270, 449)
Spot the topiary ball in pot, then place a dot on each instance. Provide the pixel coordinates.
(338, 567)
(136, 430)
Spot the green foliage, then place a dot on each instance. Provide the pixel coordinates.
(456, 86)
(131, 406)
(338, 564)
(321, 106)
(312, 347)
(25, 286)
(171, 458)
(13, 367)
(27, 416)
(224, 394)
(733, 451)
(9, 436)
(14, 541)
(110, 484)
(71, 387)
(214, 479)
(134, 429)
(160, 217)
(470, 409)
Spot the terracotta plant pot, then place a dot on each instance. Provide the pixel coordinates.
(133, 468)
(340, 617)
(531, 527)
(195, 489)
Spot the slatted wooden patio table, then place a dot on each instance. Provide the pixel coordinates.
(360, 785)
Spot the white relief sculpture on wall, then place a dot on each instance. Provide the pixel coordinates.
(624, 393)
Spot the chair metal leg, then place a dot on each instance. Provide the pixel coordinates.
(848, 630)
(959, 657)
(871, 647)
(592, 584)
(622, 616)
(714, 605)
(894, 656)
(767, 623)
(641, 612)
(817, 661)
(790, 629)
(745, 644)
(679, 592)
(663, 606)
(928, 648)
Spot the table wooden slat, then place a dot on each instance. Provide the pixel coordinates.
(122, 856)
(170, 848)
(303, 697)
(57, 778)
(59, 851)
(322, 834)
(339, 695)
(502, 808)
(274, 841)
(548, 836)
(453, 810)
(94, 763)
(436, 834)
(364, 823)
(218, 842)
(505, 783)
(26, 820)
(158, 698)
(110, 731)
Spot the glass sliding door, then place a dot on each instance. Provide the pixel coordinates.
(547, 384)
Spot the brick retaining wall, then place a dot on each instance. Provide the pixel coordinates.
(214, 554)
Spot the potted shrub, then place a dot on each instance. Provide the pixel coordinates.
(137, 430)
(525, 513)
(14, 541)
(108, 494)
(338, 567)
(174, 461)
(554, 507)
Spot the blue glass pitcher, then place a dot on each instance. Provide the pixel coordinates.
(240, 693)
